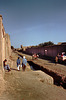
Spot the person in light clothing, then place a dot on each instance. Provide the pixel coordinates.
(18, 64)
(24, 62)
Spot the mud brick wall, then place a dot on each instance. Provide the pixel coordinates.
(50, 51)
(5, 45)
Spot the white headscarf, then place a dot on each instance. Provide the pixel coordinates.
(24, 57)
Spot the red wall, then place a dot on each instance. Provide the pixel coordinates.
(51, 51)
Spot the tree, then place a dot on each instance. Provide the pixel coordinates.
(46, 44)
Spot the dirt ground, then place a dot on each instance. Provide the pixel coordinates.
(28, 85)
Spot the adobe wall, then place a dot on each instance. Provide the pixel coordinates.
(0, 40)
(5, 45)
(50, 51)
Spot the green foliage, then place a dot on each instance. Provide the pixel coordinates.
(46, 44)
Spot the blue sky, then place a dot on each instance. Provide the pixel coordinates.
(31, 22)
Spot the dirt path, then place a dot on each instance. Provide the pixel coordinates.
(29, 85)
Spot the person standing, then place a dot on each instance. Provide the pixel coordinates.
(56, 60)
(18, 64)
(24, 62)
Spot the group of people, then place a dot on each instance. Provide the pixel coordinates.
(23, 65)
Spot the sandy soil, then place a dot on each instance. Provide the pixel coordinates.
(28, 85)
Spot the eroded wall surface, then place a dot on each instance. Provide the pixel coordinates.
(5, 45)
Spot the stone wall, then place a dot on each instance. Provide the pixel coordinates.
(5, 45)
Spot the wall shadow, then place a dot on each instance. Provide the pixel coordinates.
(57, 78)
